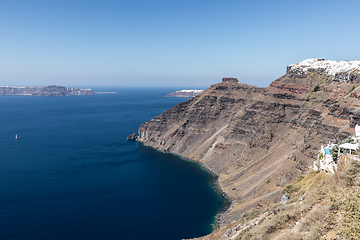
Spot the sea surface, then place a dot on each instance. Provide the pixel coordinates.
(71, 173)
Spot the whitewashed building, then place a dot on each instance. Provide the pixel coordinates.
(357, 134)
(325, 161)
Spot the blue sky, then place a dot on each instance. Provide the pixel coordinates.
(169, 43)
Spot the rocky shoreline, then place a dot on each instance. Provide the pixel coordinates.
(228, 205)
(257, 140)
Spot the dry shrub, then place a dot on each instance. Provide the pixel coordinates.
(304, 184)
(341, 163)
(351, 213)
(285, 215)
(252, 215)
(344, 214)
(263, 231)
(312, 222)
(346, 208)
(351, 174)
(244, 234)
(289, 236)
(279, 221)
(323, 204)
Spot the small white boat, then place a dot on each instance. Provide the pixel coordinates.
(16, 136)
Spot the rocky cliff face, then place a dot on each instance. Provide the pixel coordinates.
(258, 139)
(54, 90)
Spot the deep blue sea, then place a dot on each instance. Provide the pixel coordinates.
(71, 173)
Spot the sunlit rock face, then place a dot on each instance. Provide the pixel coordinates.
(259, 139)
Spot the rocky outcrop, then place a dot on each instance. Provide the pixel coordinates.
(289, 88)
(230, 79)
(345, 77)
(132, 137)
(257, 140)
(46, 91)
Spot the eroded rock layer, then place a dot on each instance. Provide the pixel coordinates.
(258, 139)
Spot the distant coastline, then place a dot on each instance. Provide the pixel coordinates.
(105, 92)
(185, 93)
(47, 91)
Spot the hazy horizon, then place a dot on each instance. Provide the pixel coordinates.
(175, 88)
(168, 43)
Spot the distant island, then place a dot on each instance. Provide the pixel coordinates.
(185, 93)
(46, 91)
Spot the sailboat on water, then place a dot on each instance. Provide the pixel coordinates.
(16, 136)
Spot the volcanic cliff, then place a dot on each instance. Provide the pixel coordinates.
(256, 139)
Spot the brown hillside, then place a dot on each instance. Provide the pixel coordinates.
(258, 139)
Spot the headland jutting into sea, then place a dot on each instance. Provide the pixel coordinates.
(257, 140)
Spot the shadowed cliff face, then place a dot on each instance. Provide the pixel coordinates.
(257, 139)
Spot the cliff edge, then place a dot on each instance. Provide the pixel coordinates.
(256, 139)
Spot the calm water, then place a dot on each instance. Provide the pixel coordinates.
(71, 174)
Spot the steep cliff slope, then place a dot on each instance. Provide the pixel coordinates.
(320, 206)
(259, 139)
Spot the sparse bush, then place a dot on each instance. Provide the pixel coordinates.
(322, 204)
(279, 221)
(346, 206)
(289, 236)
(316, 88)
(352, 89)
(347, 140)
(252, 215)
(313, 222)
(334, 152)
(351, 174)
(300, 177)
(289, 189)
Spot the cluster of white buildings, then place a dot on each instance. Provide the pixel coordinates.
(325, 161)
(331, 67)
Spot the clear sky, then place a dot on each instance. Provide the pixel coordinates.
(169, 42)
